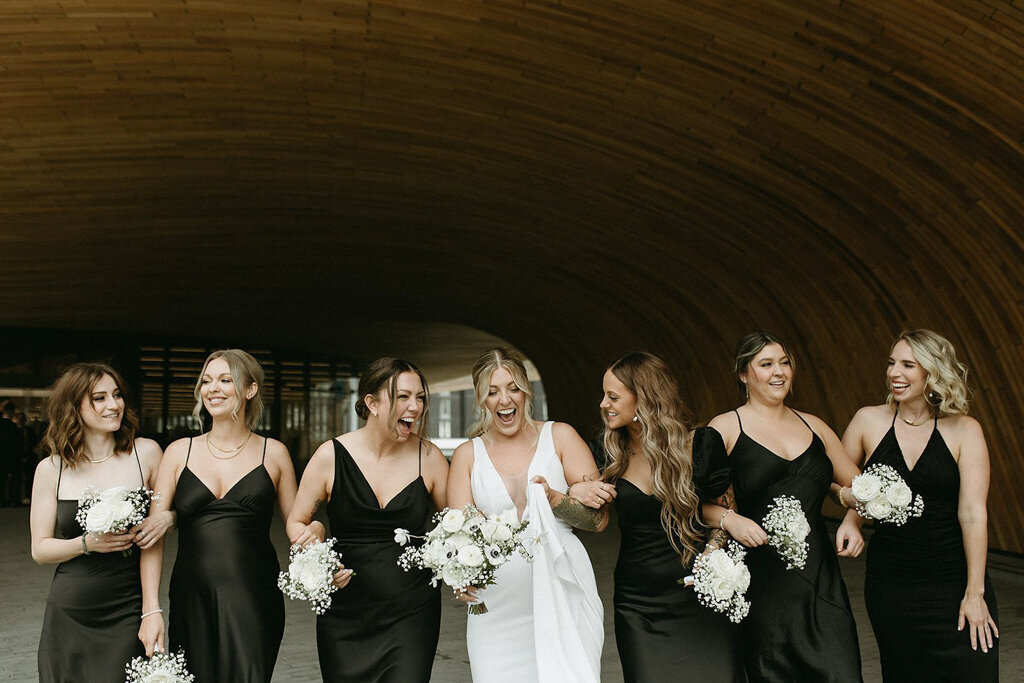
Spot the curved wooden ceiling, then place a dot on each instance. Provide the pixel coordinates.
(580, 178)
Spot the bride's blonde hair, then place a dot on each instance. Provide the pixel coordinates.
(665, 442)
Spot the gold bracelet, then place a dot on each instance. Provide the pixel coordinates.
(841, 501)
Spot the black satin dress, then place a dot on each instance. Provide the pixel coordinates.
(800, 626)
(662, 632)
(384, 625)
(227, 612)
(917, 574)
(91, 624)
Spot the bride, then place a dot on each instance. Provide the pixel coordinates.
(544, 620)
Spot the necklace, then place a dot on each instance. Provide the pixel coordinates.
(911, 422)
(234, 452)
(99, 460)
(209, 441)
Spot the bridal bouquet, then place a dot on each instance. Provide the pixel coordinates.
(721, 579)
(787, 529)
(882, 494)
(161, 668)
(310, 574)
(115, 509)
(465, 548)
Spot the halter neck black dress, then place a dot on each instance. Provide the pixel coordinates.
(800, 626)
(917, 575)
(91, 624)
(384, 625)
(227, 612)
(661, 631)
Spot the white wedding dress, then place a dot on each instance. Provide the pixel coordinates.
(545, 621)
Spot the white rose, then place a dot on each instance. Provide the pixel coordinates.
(401, 536)
(899, 494)
(99, 517)
(307, 572)
(452, 577)
(865, 487)
(123, 509)
(502, 533)
(742, 577)
(160, 677)
(487, 529)
(878, 508)
(471, 556)
(722, 588)
(452, 521)
(509, 517)
(432, 553)
(494, 554)
(114, 495)
(798, 528)
(460, 541)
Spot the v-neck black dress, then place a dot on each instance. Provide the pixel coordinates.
(227, 612)
(917, 575)
(384, 625)
(800, 626)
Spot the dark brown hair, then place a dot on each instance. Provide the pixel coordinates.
(750, 346)
(65, 434)
(383, 374)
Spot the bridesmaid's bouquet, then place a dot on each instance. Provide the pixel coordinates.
(787, 529)
(114, 510)
(310, 574)
(882, 494)
(465, 548)
(721, 579)
(161, 668)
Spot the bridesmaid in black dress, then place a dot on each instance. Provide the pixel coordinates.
(660, 469)
(927, 591)
(226, 611)
(800, 626)
(384, 624)
(90, 628)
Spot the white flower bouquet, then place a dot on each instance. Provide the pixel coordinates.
(721, 579)
(161, 668)
(787, 529)
(310, 574)
(116, 509)
(881, 494)
(465, 548)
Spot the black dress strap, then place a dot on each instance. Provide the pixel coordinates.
(804, 421)
(189, 451)
(419, 459)
(138, 462)
(737, 411)
(60, 471)
(894, 417)
(264, 451)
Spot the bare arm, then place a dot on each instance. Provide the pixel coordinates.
(972, 511)
(283, 474)
(459, 490)
(578, 464)
(46, 548)
(314, 491)
(435, 474)
(155, 526)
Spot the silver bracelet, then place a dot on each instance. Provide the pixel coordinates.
(85, 550)
(721, 520)
(158, 610)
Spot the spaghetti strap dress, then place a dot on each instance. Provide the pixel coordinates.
(662, 632)
(227, 613)
(384, 625)
(91, 624)
(917, 574)
(800, 626)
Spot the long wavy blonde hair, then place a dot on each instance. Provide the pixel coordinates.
(666, 443)
(946, 387)
(486, 364)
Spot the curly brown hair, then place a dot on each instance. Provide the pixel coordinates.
(65, 434)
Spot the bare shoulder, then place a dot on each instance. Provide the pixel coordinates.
(961, 428)
(725, 424)
(869, 415)
(816, 423)
(148, 449)
(463, 454)
(178, 449)
(48, 468)
(278, 453)
(562, 432)
(323, 454)
(433, 458)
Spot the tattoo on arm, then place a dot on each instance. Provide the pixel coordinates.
(316, 506)
(577, 514)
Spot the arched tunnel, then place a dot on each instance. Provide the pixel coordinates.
(578, 179)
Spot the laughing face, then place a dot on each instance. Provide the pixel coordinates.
(618, 407)
(907, 379)
(506, 402)
(409, 400)
(769, 375)
(103, 407)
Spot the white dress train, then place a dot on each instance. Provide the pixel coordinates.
(545, 621)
